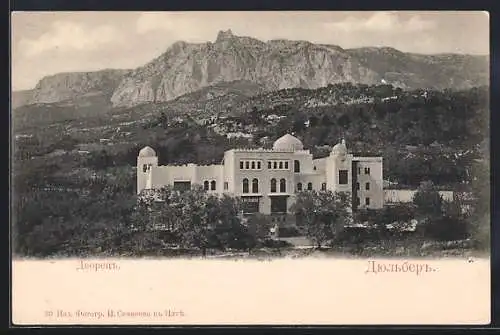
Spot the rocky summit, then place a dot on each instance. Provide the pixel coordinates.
(275, 64)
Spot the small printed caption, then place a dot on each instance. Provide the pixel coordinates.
(97, 266)
(400, 267)
(112, 314)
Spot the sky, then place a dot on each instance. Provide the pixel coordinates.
(45, 43)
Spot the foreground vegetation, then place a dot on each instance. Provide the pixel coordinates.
(173, 223)
(73, 195)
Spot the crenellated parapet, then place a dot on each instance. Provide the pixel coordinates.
(262, 150)
(190, 165)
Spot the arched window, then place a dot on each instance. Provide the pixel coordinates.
(281, 165)
(212, 185)
(309, 186)
(205, 185)
(253, 165)
(282, 185)
(255, 185)
(296, 166)
(299, 187)
(323, 186)
(245, 185)
(273, 185)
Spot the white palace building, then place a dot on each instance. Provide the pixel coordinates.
(267, 179)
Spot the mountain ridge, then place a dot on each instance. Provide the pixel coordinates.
(276, 64)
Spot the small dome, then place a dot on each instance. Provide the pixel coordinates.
(288, 142)
(339, 149)
(147, 152)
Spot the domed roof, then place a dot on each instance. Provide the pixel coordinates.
(147, 152)
(339, 148)
(288, 142)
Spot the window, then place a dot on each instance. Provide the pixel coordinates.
(367, 170)
(323, 187)
(241, 165)
(250, 204)
(205, 185)
(282, 185)
(144, 168)
(278, 205)
(255, 185)
(273, 185)
(226, 185)
(367, 201)
(281, 165)
(358, 201)
(286, 165)
(258, 165)
(359, 170)
(310, 186)
(253, 165)
(247, 165)
(342, 177)
(212, 185)
(299, 187)
(314, 168)
(275, 165)
(367, 186)
(357, 186)
(269, 165)
(245, 185)
(296, 166)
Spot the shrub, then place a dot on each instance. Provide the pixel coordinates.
(445, 229)
(276, 244)
(289, 232)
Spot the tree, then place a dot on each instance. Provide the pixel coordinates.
(344, 120)
(323, 214)
(442, 220)
(480, 216)
(199, 219)
(163, 120)
(428, 201)
(227, 229)
(313, 121)
(259, 228)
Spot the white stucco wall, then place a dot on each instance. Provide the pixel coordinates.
(229, 172)
(374, 178)
(395, 196)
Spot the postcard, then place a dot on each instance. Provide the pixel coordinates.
(250, 168)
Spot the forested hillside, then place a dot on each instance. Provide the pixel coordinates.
(73, 176)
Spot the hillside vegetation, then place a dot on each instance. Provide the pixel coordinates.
(75, 174)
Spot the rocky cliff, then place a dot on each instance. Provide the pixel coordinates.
(279, 64)
(276, 64)
(70, 86)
